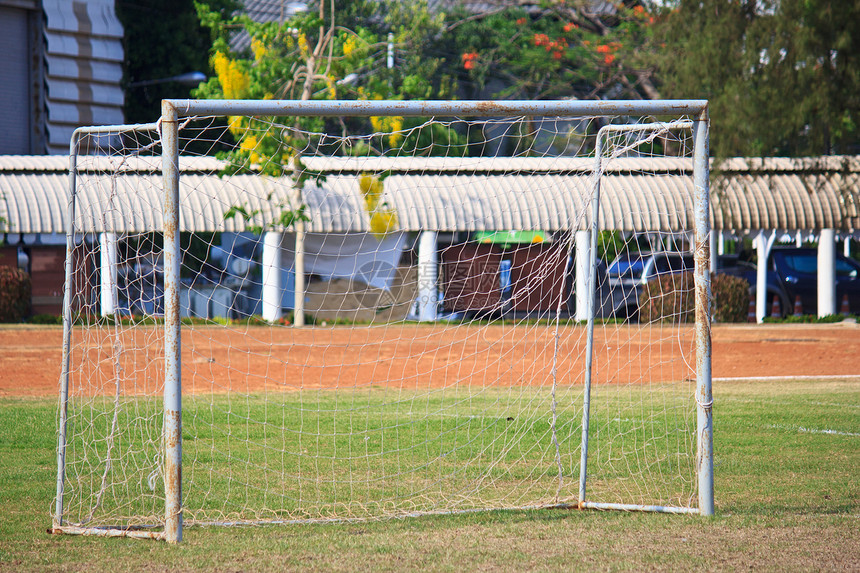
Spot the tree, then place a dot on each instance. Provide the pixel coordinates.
(162, 38)
(782, 75)
(557, 50)
(563, 49)
(332, 51)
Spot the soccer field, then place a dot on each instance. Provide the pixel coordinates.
(787, 496)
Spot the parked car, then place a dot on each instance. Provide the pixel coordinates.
(631, 271)
(793, 272)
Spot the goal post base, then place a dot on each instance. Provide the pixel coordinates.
(638, 507)
(134, 533)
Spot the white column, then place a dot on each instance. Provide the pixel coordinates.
(582, 266)
(721, 243)
(827, 272)
(763, 244)
(428, 276)
(846, 246)
(108, 257)
(271, 269)
(299, 301)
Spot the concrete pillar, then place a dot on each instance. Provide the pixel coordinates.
(846, 246)
(763, 244)
(107, 262)
(271, 269)
(582, 262)
(299, 301)
(428, 276)
(721, 244)
(827, 272)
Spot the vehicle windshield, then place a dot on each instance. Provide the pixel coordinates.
(627, 267)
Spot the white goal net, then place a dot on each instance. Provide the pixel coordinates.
(382, 313)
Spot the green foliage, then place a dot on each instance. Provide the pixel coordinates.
(730, 298)
(46, 319)
(668, 298)
(561, 51)
(809, 319)
(782, 76)
(609, 244)
(15, 289)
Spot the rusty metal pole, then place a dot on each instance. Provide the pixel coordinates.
(704, 396)
(172, 339)
(67, 330)
(591, 281)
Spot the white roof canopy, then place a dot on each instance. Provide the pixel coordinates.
(443, 194)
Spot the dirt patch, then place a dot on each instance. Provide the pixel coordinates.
(255, 359)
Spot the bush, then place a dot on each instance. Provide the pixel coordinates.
(46, 319)
(668, 298)
(809, 319)
(671, 298)
(15, 292)
(731, 298)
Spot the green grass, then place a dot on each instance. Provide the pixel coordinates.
(787, 492)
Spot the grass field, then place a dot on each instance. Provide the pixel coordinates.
(787, 493)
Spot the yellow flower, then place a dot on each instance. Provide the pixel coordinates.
(382, 223)
(249, 143)
(365, 180)
(235, 124)
(372, 189)
(258, 48)
(349, 46)
(303, 44)
(395, 125)
(391, 125)
(370, 203)
(234, 81)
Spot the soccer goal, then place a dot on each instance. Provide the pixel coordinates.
(282, 312)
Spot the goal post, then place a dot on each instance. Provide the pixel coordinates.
(437, 251)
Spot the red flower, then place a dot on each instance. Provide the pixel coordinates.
(556, 55)
(603, 49)
(570, 26)
(608, 59)
(541, 39)
(521, 21)
(469, 60)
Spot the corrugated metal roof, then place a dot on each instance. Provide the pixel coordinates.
(83, 57)
(445, 194)
(265, 11)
